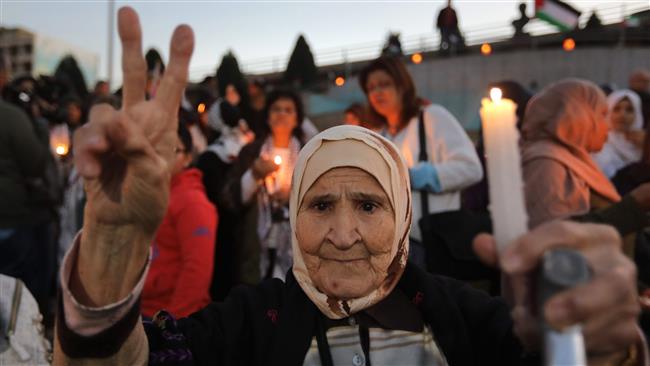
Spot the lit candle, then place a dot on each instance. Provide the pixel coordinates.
(61, 149)
(60, 139)
(272, 181)
(501, 139)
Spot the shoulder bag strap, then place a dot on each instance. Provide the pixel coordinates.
(424, 199)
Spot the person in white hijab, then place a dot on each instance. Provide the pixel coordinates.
(625, 121)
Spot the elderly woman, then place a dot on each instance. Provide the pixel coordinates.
(350, 297)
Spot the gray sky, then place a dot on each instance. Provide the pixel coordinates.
(259, 30)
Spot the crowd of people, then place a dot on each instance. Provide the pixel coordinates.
(164, 203)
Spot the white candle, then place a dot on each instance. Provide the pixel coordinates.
(277, 178)
(272, 181)
(501, 139)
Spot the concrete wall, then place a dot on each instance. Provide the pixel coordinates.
(459, 83)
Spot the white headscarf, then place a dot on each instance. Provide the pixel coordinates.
(232, 138)
(353, 146)
(618, 152)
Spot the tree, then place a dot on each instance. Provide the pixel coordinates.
(228, 73)
(301, 67)
(68, 73)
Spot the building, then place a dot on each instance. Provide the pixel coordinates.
(28, 53)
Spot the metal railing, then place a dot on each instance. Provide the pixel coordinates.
(488, 33)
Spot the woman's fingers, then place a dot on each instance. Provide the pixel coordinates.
(613, 287)
(175, 78)
(134, 67)
(524, 254)
(91, 141)
(617, 331)
(109, 131)
(606, 306)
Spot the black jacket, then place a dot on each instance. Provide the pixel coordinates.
(22, 157)
(274, 323)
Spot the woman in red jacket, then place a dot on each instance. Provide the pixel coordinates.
(183, 249)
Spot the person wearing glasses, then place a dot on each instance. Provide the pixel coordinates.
(451, 162)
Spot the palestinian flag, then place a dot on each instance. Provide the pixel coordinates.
(557, 13)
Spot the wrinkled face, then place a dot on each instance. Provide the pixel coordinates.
(283, 117)
(601, 130)
(345, 228)
(622, 115)
(383, 94)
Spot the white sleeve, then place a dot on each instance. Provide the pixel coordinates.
(457, 163)
(248, 186)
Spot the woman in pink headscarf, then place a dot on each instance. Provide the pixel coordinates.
(564, 124)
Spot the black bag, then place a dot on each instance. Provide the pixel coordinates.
(447, 236)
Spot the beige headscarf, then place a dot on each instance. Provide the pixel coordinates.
(560, 123)
(353, 146)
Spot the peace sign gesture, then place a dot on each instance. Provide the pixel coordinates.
(125, 157)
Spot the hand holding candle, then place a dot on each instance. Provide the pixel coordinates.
(509, 222)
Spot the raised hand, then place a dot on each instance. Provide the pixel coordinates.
(125, 157)
(607, 306)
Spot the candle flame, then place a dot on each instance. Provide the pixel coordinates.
(496, 94)
(61, 149)
(277, 160)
